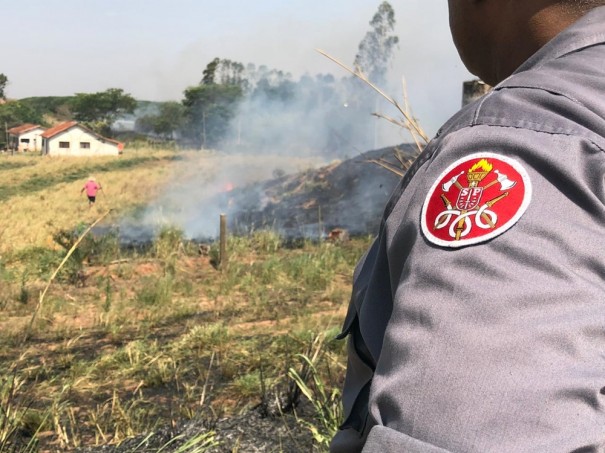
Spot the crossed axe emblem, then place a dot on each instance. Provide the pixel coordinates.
(505, 183)
(484, 217)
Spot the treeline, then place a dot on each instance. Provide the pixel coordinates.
(98, 111)
(242, 104)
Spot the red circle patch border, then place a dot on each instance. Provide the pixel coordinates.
(497, 232)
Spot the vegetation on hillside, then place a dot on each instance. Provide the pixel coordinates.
(56, 107)
(15, 113)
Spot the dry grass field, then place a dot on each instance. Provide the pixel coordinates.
(127, 341)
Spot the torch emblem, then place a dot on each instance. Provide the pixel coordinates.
(491, 193)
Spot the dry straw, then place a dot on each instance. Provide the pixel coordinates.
(407, 121)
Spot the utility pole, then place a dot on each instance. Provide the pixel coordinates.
(222, 256)
(204, 129)
(6, 132)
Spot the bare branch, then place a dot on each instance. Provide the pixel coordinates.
(411, 125)
(401, 124)
(387, 166)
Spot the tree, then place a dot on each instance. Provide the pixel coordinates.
(224, 72)
(274, 86)
(100, 110)
(3, 83)
(209, 110)
(376, 48)
(166, 122)
(210, 106)
(15, 113)
(209, 74)
(373, 57)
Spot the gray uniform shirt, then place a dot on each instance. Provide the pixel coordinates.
(497, 345)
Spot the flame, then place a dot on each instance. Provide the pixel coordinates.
(483, 166)
(228, 187)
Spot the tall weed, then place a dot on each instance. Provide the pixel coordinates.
(18, 421)
(168, 243)
(324, 396)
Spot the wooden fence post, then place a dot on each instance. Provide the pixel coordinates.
(222, 259)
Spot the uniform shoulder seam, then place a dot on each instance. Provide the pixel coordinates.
(535, 127)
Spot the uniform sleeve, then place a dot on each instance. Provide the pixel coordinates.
(354, 429)
(497, 343)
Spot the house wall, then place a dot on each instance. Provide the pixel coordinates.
(76, 137)
(35, 141)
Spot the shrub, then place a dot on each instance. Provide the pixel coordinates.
(168, 242)
(156, 292)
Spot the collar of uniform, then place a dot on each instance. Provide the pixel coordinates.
(586, 32)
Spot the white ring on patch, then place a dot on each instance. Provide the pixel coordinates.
(464, 217)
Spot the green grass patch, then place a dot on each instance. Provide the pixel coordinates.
(13, 164)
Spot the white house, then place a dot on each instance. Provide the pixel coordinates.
(26, 137)
(73, 139)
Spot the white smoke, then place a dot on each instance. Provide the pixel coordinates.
(315, 115)
(216, 183)
(282, 128)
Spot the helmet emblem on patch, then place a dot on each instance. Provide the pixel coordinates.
(475, 199)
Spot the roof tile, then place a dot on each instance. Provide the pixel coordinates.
(58, 129)
(22, 129)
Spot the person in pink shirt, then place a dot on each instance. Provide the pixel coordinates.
(91, 187)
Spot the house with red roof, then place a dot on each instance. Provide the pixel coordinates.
(73, 139)
(26, 137)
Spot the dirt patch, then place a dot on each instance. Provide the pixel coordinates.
(284, 325)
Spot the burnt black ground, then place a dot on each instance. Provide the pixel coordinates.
(350, 195)
(251, 432)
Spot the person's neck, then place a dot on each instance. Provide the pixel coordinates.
(519, 40)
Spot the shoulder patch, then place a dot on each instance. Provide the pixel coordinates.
(475, 199)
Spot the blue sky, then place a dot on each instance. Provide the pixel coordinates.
(154, 49)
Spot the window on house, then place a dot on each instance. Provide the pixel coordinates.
(85, 145)
(25, 140)
(63, 144)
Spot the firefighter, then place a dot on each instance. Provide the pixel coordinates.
(477, 317)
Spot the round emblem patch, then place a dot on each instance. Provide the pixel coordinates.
(476, 199)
